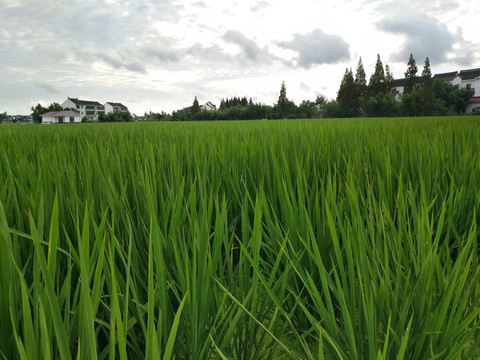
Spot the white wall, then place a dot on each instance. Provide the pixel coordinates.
(55, 119)
(476, 85)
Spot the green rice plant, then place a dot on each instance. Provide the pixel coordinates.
(317, 239)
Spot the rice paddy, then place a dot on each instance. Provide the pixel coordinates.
(296, 239)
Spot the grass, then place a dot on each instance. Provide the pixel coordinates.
(308, 239)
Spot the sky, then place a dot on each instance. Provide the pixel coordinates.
(158, 55)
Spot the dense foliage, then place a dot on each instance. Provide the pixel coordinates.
(39, 110)
(422, 96)
(116, 116)
(318, 239)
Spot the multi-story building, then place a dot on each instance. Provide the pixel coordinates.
(86, 108)
(92, 109)
(114, 107)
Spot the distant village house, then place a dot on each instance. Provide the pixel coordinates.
(92, 109)
(468, 79)
(60, 117)
(208, 106)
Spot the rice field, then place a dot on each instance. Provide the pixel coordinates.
(296, 239)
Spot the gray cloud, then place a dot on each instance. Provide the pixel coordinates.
(118, 63)
(164, 54)
(304, 87)
(424, 36)
(200, 4)
(209, 54)
(258, 6)
(250, 49)
(48, 87)
(317, 47)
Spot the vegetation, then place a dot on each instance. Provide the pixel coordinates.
(314, 239)
(39, 110)
(116, 116)
(422, 96)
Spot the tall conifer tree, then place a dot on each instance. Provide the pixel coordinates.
(360, 79)
(427, 71)
(377, 83)
(389, 80)
(195, 106)
(283, 100)
(346, 93)
(411, 75)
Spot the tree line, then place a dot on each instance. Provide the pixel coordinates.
(422, 95)
(242, 108)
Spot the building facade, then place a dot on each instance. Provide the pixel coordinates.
(86, 108)
(114, 107)
(61, 117)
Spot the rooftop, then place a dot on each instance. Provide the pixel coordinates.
(123, 107)
(61, 113)
(84, 102)
(469, 74)
(446, 76)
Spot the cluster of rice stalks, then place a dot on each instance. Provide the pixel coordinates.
(344, 239)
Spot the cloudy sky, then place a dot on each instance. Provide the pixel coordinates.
(158, 55)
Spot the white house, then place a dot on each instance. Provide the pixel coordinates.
(114, 107)
(90, 109)
(208, 106)
(60, 117)
(469, 79)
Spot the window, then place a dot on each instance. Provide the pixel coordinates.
(60, 119)
(469, 86)
(72, 119)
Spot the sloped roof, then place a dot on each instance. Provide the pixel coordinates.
(61, 113)
(84, 102)
(469, 74)
(446, 76)
(399, 82)
(123, 107)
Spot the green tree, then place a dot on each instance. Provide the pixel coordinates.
(116, 116)
(377, 84)
(360, 79)
(347, 97)
(428, 104)
(3, 117)
(389, 81)
(381, 105)
(320, 101)
(39, 110)
(282, 103)
(346, 93)
(411, 75)
(427, 72)
(307, 109)
(195, 107)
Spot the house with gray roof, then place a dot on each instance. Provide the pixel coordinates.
(60, 117)
(86, 108)
(114, 107)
